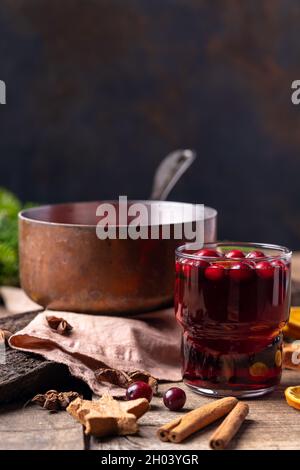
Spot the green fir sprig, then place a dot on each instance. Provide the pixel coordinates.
(9, 262)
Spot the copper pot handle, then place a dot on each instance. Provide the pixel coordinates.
(170, 171)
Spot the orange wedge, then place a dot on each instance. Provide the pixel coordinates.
(292, 396)
(259, 369)
(292, 329)
(278, 358)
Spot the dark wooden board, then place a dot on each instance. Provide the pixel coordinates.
(25, 374)
(17, 321)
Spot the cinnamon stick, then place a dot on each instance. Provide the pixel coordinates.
(179, 429)
(229, 427)
(163, 432)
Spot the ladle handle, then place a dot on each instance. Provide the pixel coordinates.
(170, 171)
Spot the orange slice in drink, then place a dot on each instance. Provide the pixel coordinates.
(278, 358)
(292, 396)
(292, 329)
(259, 369)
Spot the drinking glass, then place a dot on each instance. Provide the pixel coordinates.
(232, 306)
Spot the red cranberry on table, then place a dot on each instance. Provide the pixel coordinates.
(214, 272)
(174, 398)
(264, 270)
(209, 253)
(139, 390)
(256, 254)
(235, 254)
(240, 271)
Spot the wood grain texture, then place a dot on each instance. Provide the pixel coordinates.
(25, 374)
(271, 425)
(15, 322)
(32, 428)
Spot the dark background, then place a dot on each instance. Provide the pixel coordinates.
(99, 91)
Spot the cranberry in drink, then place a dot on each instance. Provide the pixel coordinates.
(232, 302)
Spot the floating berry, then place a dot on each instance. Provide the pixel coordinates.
(249, 262)
(255, 254)
(178, 267)
(214, 272)
(185, 267)
(209, 253)
(235, 254)
(278, 358)
(201, 263)
(240, 271)
(139, 390)
(278, 263)
(258, 370)
(264, 270)
(174, 398)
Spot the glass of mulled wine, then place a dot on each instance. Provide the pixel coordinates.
(232, 301)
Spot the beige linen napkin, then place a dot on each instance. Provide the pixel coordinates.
(16, 301)
(148, 342)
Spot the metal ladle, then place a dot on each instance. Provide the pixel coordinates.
(170, 170)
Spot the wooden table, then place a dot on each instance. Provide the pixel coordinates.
(271, 423)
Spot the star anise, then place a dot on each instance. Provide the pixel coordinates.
(124, 379)
(55, 401)
(60, 325)
(113, 376)
(144, 376)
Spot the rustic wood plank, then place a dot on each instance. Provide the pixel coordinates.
(25, 374)
(271, 424)
(32, 428)
(17, 321)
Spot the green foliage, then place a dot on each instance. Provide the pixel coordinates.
(9, 209)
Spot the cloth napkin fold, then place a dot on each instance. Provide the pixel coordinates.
(150, 342)
(16, 301)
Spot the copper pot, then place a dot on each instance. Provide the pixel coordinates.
(64, 266)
